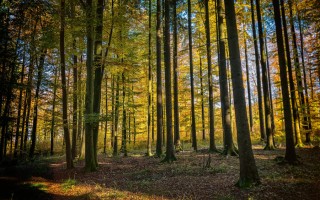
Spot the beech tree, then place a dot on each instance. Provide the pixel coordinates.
(290, 150)
(248, 170)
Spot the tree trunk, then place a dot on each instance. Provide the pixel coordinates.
(159, 83)
(228, 146)
(262, 130)
(75, 88)
(53, 111)
(19, 109)
(295, 112)
(106, 123)
(212, 146)
(305, 123)
(202, 102)
(90, 162)
(149, 153)
(64, 89)
(193, 115)
(248, 82)
(290, 150)
(170, 157)
(304, 73)
(116, 118)
(248, 170)
(35, 108)
(266, 96)
(177, 142)
(99, 69)
(124, 118)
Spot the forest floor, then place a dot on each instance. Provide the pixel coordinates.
(192, 176)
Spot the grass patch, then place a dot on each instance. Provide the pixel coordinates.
(39, 186)
(68, 184)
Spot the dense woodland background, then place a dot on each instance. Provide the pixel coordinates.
(117, 77)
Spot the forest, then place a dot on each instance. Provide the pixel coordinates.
(159, 99)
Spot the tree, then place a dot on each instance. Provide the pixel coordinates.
(149, 153)
(305, 122)
(212, 146)
(170, 157)
(266, 96)
(290, 156)
(193, 116)
(75, 89)
(228, 146)
(90, 162)
(254, 33)
(177, 142)
(248, 81)
(53, 115)
(295, 112)
(64, 89)
(98, 74)
(159, 82)
(35, 108)
(248, 170)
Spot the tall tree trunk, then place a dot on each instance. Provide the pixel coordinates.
(290, 155)
(177, 142)
(193, 115)
(248, 170)
(99, 69)
(228, 146)
(270, 88)
(124, 118)
(248, 82)
(266, 96)
(112, 110)
(106, 115)
(64, 89)
(295, 112)
(116, 118)
(202, 102)
(149, 153)
(159, 82)
(212, 146)
(75, 89)
(19, 108)
(35, 108)
(304, 71)
(305, 123)
(90, 162)
(53, 111)
(170, 157)
(262, 129)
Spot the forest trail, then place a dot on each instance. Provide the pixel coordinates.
(193, 176)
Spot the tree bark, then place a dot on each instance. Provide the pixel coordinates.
(75, 89)
(212, 145)
(177, 141)
(248, 170)
(193, 115)
(35, 108)
(159, 83)
(64, 89)
(149, 153)
(266, 96)
(53, 111)
(170, 157)
(262, 129)
(228, 146)
(290, 155)
(90, 162)
(295, 112)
